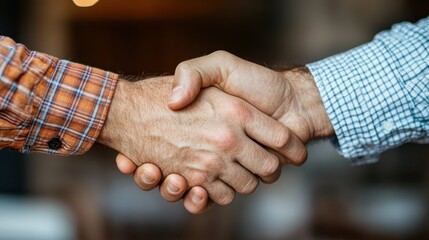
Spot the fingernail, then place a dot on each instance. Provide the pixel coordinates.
(147, 177)
(196, 198)
(176, 94)
(173, 188)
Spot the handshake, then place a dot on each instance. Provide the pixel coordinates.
(218, 126)
(206, 145)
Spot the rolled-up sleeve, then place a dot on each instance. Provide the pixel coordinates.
(50, 105)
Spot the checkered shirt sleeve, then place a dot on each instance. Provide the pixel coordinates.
(377, 95)
(49, 105)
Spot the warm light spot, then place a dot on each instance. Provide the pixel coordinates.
(85, 3)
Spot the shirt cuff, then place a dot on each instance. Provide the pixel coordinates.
(70, 106)
(366, 101)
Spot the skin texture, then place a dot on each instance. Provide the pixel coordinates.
(214, 143)
(289, 96)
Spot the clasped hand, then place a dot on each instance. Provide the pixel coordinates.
(214, 143)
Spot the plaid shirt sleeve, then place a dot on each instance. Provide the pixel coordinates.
(377, 95)
(49, 105)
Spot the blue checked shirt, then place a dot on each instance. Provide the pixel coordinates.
(377, 95)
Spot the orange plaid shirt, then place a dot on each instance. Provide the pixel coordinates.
(50, 105)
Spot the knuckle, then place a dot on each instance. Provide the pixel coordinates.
(272, 178)
(238, 109)
(269, 166)
(283, 140)
(250, 186)
(184, 67)
(227, 140)
(212, 163)
(227, 198)
(188, 69)
(221, 54)
(301, 157)
(197, 178)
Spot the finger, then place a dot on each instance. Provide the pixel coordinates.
(273, 177)
(124, 164)
(292, 148)
(173, 188)
(257, 159)
(192, 75)
(220, 192)
(231, 74)
(282, 159)
(147, 176)
(240, 179)
(196, 201)
(273, 134)
(186, 86)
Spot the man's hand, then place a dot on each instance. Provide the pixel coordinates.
(173, 188)
(290, 96)
(208, 143)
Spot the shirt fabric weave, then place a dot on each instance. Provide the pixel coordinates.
(44, 98)
(377, 95)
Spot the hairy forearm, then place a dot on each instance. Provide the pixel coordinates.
(152, 98)
(309, 103)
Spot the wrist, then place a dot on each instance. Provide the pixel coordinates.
(311, 105)
(108, 135)
(136, 108)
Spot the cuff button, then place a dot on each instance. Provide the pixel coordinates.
(55, 143)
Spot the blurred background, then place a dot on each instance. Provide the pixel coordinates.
(85, 197)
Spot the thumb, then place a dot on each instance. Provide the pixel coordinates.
(186, 86)
(260, 86)
(192, 75)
